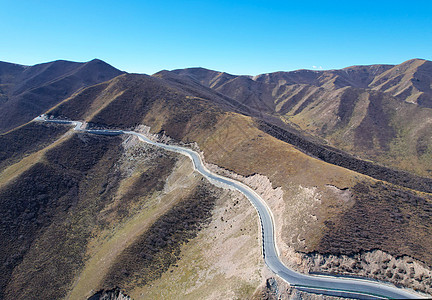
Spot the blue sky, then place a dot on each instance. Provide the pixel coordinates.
(239, 37)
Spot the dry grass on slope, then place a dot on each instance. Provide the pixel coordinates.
(143, 256)
(314, 192)
(147, 204)
(223, 262)
(371, 125)
(27, 139)
(237, 145)
(44, 215)
(152, 253)
(383, 217)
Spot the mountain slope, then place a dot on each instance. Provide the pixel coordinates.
(119, 200)
(365, 110)
(91, 198)
(409, 81)
(322, 194)
(27, 91)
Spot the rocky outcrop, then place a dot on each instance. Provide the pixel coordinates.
(276, 289)
(375, 264)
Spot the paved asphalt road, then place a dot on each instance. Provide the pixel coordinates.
(336, 286)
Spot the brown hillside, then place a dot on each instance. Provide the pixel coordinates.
(409, 81)
(26, 140)
(27, 91)
(123, 203)
(365, 110)
(34, 208)
(236, 143)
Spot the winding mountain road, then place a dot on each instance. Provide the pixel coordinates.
(334, 286)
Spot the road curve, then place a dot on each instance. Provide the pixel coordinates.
(335, 286)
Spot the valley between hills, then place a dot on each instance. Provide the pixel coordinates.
(342, 158)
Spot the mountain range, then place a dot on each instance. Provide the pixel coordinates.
(342, 157)
(26, 91)
(378, 112)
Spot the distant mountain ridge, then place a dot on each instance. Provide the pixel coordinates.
(26, 91)
(380, 112)
(414, 75)
(411, 77)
